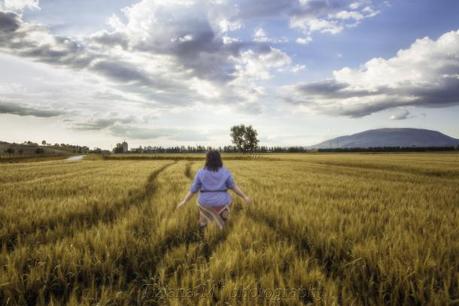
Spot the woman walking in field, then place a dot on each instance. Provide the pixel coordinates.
(213, 182)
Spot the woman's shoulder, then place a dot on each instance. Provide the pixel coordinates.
(200, 170)
(226, 170)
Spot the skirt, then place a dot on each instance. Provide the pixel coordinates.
(217, 214)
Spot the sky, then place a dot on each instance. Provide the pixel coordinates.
(182, 72)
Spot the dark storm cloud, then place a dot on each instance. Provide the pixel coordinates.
(21, 110)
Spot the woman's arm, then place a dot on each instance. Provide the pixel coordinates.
(195, 186)
(188, 196)
(240, 193)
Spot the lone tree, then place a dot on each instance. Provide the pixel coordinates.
(244, 138)
(10, 151)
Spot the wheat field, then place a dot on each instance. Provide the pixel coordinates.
(323, 229)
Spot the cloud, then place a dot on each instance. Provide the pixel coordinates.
(401, 115)
(179, 53)
(8, 22)
(257, 66)
(303, 40)
(298, 68)
(145, 133)
(19, 5)
(329, 16)
(24, 110)
(134, 127)
(102, 123)
(426, 74)
(260, 35)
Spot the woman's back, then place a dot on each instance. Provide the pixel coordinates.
(212, 182)
(213, 186)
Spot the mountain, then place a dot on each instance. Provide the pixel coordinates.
(401, 137)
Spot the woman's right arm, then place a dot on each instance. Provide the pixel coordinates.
(240, 193)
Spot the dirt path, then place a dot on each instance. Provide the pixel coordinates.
(75, 158)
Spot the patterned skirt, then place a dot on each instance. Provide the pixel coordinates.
(217, 214)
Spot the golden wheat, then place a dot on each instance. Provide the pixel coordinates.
(323, 229)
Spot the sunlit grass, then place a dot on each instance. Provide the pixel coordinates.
(325, 229)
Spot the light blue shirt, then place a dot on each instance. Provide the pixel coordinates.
(212, 186)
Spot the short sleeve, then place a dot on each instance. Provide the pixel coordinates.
(196, 185)
(229, 181)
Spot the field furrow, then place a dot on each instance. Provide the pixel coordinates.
(323, 229)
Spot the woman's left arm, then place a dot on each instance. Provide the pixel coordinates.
(185, 200)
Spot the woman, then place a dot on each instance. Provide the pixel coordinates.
(213, 182)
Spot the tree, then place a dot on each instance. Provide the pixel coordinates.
(244, 138)
(43, 142)
(237, 136)
(10, 151)
(250, 139)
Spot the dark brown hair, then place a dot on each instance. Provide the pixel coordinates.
(213, 160)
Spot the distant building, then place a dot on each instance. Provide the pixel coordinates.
(121, 148)
(125, 147)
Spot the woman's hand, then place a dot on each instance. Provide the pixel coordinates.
(180, 204)
(188, 196)
(247, 200)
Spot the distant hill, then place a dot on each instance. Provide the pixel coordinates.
(28, 149)
(401, 137)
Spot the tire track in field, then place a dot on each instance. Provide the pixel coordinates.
(331, 266)
(62, 290)
(209, 248)
(188, 173)
(196, 236)
(335, 267)
(302, 246)
(134, 271)
(192, 235)
(84, 219)
(282, 235)
(14, 179)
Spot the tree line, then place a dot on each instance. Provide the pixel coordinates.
(245, 140)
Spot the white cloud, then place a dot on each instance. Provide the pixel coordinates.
(298, 68)
(162, 55)
(229, 40)
(345, 15)
(260, 35)
(19, 5)
(401, 115)
(303, 40)
(228, 26)
(253, 66)
(330, 17)
(425, 74)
